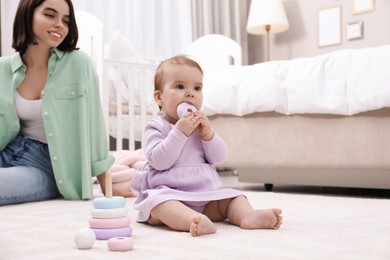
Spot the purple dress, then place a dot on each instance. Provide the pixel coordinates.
(178, 168)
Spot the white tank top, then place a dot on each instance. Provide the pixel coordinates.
(29, 113)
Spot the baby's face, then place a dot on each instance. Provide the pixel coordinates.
(182, 83)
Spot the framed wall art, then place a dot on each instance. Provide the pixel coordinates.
(329, 26)
(362, 6)
(354, 31)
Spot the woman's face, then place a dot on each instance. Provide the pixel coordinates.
(182, 83)
(50, 23)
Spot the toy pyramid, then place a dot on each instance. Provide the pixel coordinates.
(109, 220)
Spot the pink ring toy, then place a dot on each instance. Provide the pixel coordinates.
(109, 222)
(120, 243)
(109, 213)
(107, 233)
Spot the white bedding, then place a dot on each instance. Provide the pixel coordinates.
(344, 82)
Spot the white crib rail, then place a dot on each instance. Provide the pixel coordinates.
(139, 80)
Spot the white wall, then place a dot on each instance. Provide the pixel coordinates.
(301, 38)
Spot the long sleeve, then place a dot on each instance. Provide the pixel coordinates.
(163, 148)
(215, 150)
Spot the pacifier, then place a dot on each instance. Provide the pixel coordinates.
(185, 107)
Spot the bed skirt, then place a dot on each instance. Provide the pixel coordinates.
(308, 149)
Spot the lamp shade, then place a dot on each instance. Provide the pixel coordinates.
(266, 12)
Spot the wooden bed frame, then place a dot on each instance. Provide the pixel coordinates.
(320, 150)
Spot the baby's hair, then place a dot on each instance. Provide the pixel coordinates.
(176, 60)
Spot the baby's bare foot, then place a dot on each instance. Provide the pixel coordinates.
(201, 225)
(262, 219)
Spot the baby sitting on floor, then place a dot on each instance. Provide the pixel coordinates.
(178, 186)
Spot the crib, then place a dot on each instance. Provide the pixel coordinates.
(128, 104)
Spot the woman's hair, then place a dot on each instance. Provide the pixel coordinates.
(176, 60)
(23, 34)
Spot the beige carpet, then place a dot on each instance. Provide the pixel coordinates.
(315, 227)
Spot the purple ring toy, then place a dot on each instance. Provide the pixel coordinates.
(107, 233)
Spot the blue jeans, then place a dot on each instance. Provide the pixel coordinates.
(26, 173)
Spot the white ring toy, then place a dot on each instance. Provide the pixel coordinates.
(120, 243)
(109, 213)
(109, 203)
(109, 222)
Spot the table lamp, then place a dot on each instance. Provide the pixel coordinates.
(265, 17)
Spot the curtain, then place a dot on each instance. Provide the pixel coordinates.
(227, 17)
(1, 29)
(157, 28)
(8, 9)
(1, 25)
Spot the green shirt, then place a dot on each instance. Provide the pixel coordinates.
(72, 117)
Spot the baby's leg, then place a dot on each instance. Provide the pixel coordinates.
(241, 213)
(179, 217)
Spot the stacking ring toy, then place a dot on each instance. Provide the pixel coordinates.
(109, 202)
(109, 213)
(185, 107)
(105, 234)
(120, 243)
(109, 222)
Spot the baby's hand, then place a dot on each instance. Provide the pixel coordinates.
(204, 129)
(187, 123)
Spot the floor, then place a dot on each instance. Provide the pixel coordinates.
(229, 179)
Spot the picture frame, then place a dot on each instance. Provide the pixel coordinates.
(362, 6)
(329, 26)
(354, 31)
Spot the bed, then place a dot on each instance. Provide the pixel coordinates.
(320, 120)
